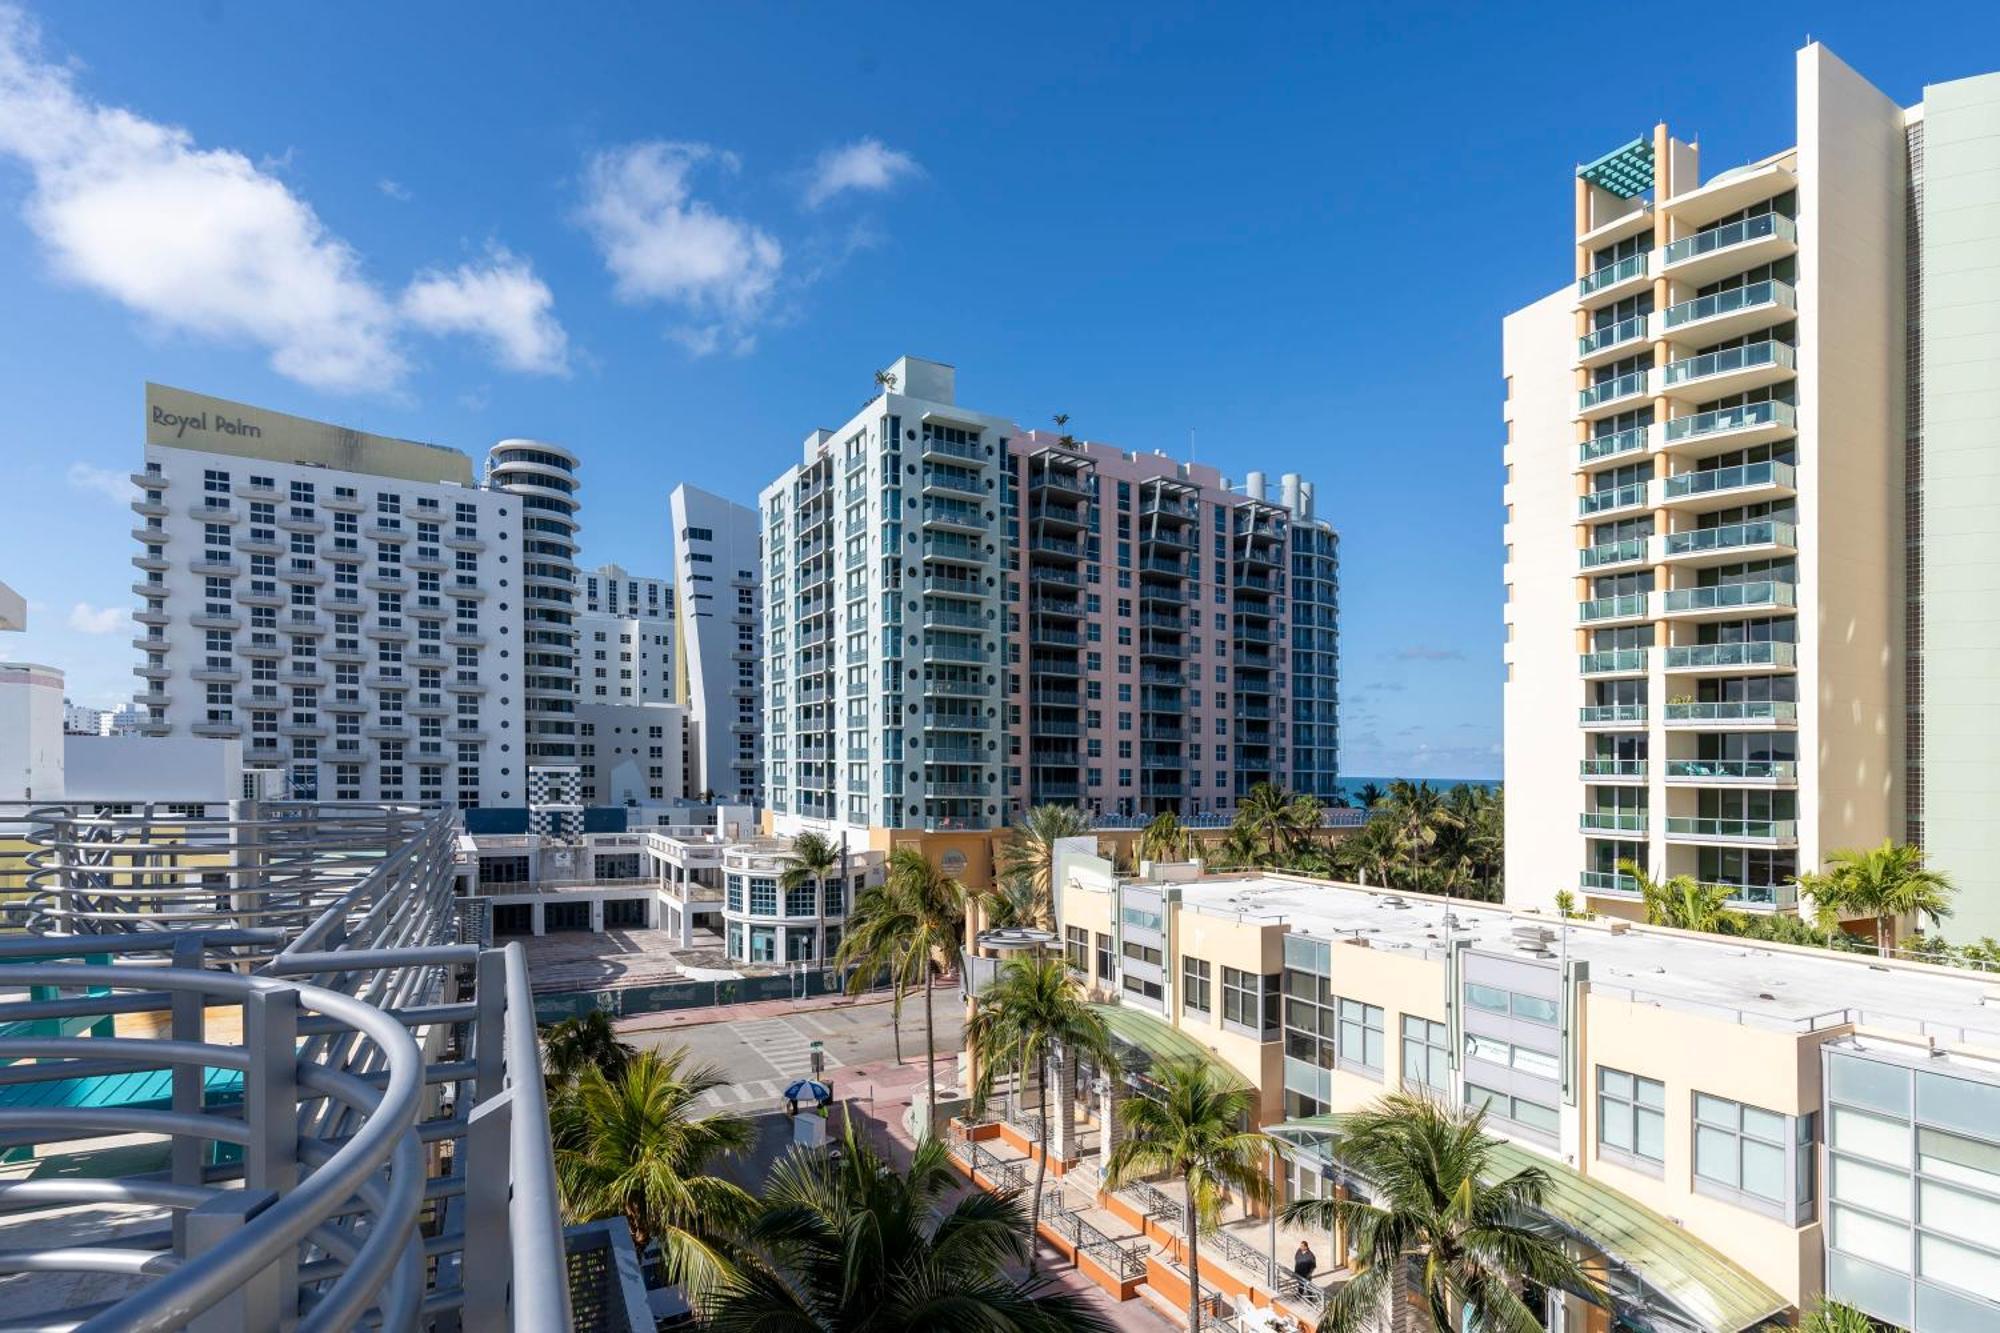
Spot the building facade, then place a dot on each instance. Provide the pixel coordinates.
(334, 599)
(1724, 517)
(718, 641)
(542, 478)
(967, 618)
(610, 590)
(1729, 1135)
(883, 571)
(1173, 640)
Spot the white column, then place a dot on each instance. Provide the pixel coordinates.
(1060, 1114)
(1107, 1119)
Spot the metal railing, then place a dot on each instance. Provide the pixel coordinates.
(347, 1103)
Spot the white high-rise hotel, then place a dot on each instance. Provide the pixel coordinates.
(347, 604)
(1753, 459)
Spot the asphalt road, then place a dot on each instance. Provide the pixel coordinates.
(760, 1056)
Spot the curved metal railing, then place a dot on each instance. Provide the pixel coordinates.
(339, 1209)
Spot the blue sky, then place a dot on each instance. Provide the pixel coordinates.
(678, 238)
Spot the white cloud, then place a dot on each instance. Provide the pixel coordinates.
(500, 302)
(865, 164)
(663, 244)
(394, 189)
(108, 483)
(204, 241)
(87, 619)
(194, 240)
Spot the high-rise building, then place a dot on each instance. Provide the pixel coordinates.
(718, 642)
(1174, 642)
(1750, 461)
(625, 639)
(338, 599)
(883, 573)
(966, 618)
(543, 478)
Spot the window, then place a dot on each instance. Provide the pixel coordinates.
(1076, 949)
(799, 901)
(1631, 1119)
(1531, 1008)
(1250, 1003)
(763, 897)
(1361, 1037)
(1107, 961)
(1740, 1151)
(1194, 985)
(1426, 1053)
(1527, 1114)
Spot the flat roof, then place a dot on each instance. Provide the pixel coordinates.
(1746, 981)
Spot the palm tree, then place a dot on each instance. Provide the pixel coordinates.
(1235, 850)
(1418, 816)
(1887, 883)
(1030, 855)
(1190, 1125)
(1368, 853)
(1682, 901)
(1032, 1011)
(846, 1242)
(572, 1047)
(812, 858)
(1440, 1228)
(1834, 1317)
(913, 920)
(1276, 820)
(1369, 796)
(1164, 839)
(633, 1145)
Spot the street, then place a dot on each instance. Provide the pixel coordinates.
(762, 1055)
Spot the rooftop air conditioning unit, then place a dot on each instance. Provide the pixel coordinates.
(1391, 900)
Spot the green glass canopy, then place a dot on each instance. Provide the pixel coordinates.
(1155, 1039)
(1662, 1276)
(1625, 171)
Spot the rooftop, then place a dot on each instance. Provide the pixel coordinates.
(1744, 981)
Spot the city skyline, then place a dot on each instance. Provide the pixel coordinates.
(497, 281)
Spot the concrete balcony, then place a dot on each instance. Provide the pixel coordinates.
(1734, 247)
(1612, 717)
(1612, 821)
(1614, 282)
(1613, 771)
(1614, 662)
(1729, 601)
(1760, 539)
(1609, 342)
(1612, 500)
(1732, 370)
(1727, 487)
(1751, 832)
(1627, 608)
(1731, 428)
(1628, 552)
(1732, 772)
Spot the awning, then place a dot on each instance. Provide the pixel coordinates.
(1625, 171)
(1155, 1039)
(1655, 1263)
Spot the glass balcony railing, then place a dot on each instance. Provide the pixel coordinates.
(1723, 420)
(1613, 768)
(1632, 266)
(1757, 895)
(1710, 480)
(1622, 607)
(1618, 386)
(1750, 356)
(1607, 881)
(1727, 596)
(1610, 661)
(1612, 821)
(1701, 655)
(1735, 770)
(1750, 296)
(1749, 830)
(1734, 233)
(1734, 710)
(1614, 553)
(1624, 331)
(1616, 497)
(1600, 713)
(1763, 532)
(1609, 446)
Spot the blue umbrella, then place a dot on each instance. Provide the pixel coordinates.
(808, 1090)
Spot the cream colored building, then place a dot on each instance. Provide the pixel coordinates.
(1729, 1132)
(1750, 483)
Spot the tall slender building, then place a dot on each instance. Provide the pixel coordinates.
(883, 572)
(718, 642)
(542, 478)
(1749, 447)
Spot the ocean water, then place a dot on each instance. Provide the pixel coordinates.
(1350, 783)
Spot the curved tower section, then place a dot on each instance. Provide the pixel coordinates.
(542, 477)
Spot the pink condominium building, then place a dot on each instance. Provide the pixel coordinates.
(1172, 638)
